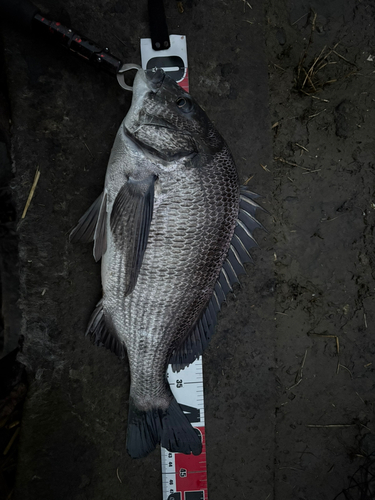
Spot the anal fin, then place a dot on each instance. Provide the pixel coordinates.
(101, 335)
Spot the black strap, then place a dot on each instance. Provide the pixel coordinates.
(158, 25)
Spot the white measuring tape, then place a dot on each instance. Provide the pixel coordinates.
(184, 476)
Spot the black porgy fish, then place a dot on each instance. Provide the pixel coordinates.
(173, 228)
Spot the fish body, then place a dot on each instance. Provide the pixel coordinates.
(165, 228)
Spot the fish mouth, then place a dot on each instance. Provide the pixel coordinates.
(154, 154)
(152, 79)
(155, 78)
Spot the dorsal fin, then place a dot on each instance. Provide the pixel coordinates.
(197, 340)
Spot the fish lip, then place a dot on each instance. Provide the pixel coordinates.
(145, 76)
(154, 153)
(157, 73)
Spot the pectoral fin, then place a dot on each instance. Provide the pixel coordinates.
(130, 224)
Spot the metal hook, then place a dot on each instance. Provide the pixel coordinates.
(121, 76)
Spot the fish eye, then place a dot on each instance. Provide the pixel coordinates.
(185, 104)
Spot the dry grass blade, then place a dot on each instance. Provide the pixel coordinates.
(292, 468)
(10, 495)
(244, 5)
(13, 424)
(278, 67)
(337, 349)
(302, 60)
(360, 398)
(329, 337)
(317, 114)
(316, 65)
(180, 7)
(31, 194)
(12, 439)
(88, 149)
(299, 375)
(312, 171)
(119, 39)
(342, 57)
(295, 22)
(339, 365)
(320, 99)
(330, 425)
(306, 80)
(282, 160)
(248, 179)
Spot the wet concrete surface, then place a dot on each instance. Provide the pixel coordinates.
(288, 374)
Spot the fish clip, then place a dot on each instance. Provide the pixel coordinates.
(121, 75)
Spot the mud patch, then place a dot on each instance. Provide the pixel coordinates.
(321, 96)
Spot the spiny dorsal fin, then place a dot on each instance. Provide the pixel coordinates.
(194, 345)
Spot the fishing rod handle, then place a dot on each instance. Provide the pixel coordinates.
(78, 44)
(26, 16)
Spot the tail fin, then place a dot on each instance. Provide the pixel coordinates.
(168, 427)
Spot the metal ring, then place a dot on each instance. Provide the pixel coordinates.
(120, 75)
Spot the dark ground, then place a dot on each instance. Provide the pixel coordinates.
(289, 373)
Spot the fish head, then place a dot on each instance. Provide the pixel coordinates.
(167, 122)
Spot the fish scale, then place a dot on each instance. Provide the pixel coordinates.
(179, 290)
